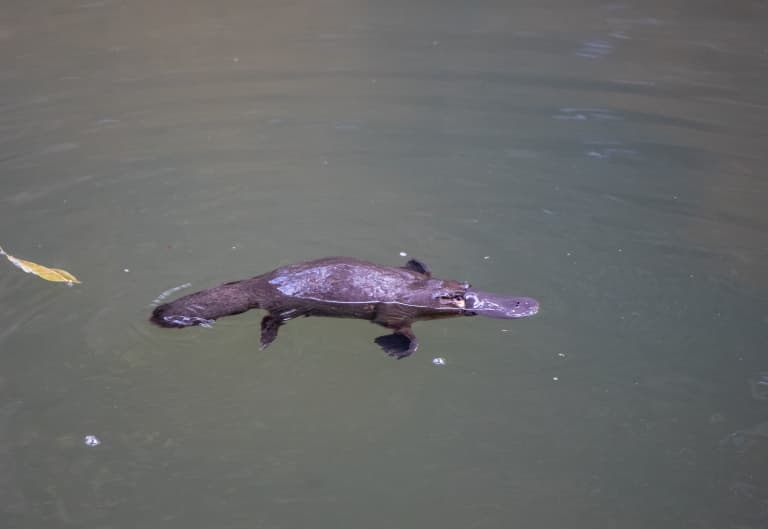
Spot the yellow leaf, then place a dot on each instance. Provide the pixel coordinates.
(49, 274)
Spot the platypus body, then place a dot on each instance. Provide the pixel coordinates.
(344, 287)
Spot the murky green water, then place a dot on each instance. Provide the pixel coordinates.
(606, 158)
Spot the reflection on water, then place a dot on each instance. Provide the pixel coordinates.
(758, 385)
(605, 158)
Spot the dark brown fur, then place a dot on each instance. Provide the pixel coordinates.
(340, 287)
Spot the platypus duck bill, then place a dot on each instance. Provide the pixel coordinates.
(497, 306)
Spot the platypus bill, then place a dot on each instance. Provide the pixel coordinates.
(344, 287)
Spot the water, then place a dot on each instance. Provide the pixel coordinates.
(606, 158)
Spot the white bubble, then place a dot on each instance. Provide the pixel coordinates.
(439, 361)
(91, 440)
(403, 254)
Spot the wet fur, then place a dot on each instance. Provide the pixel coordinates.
(342, 287)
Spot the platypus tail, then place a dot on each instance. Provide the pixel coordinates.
(205, 306)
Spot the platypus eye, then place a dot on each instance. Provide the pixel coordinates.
(453, 299)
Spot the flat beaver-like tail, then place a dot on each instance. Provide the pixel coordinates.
(205, 306)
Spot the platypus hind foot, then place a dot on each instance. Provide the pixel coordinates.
(269, 328)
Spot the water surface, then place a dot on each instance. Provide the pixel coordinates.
(606, 158)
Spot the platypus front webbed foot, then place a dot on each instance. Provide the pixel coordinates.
(399, 344)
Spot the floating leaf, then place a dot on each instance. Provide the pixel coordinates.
(49, 274)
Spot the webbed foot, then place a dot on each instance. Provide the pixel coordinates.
(269, 328)
(399, 344)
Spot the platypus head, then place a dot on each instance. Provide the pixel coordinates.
(461, 298)
(497, 306)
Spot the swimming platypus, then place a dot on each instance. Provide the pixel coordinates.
(344, 287)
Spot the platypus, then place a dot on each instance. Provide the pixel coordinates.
(344, 287)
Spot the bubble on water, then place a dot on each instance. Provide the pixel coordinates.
(403, 254)
(91, 440)
(439, 361)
